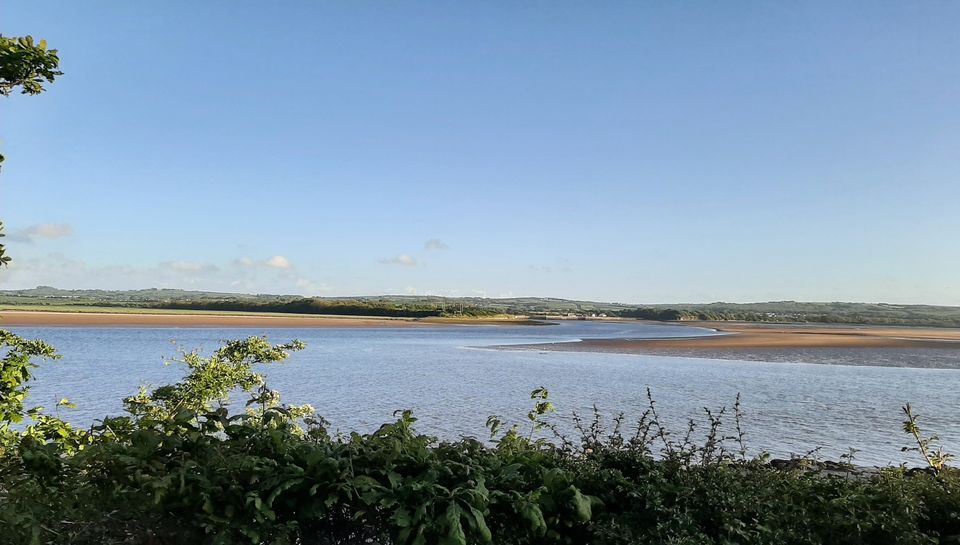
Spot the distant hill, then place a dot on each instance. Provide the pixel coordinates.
(428, 305)
(817, 312)
(46, 295)
(150, 294)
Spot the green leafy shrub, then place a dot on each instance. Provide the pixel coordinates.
(185, 466)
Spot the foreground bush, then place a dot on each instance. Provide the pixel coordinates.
(179, 467)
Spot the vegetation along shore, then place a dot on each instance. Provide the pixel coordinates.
(181, 466)
(146, 318)
(422, 306)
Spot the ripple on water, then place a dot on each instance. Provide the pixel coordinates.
(358, 377)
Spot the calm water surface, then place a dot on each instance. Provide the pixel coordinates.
(358, 377)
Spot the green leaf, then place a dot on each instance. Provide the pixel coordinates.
(534, 516)
(401, 517)
(581, 505)
(481, 525)
(455, 534)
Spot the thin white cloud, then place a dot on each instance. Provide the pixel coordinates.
(402, 260)
(191, 266)
(435, 245)
(275, 262)
(40, 231)
(278, 262)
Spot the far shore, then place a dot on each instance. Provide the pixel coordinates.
(154, 318)
(750, 336)
(732, 335)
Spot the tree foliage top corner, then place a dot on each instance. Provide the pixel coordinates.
(26, 64)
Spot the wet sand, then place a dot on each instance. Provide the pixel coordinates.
(741, 336)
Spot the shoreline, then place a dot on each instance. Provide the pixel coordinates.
(35, 318)
(755, 337)
(745, 336)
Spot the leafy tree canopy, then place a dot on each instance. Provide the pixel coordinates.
(4, 259)
(26, 64)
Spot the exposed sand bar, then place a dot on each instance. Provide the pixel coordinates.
(764, 336)
(107, 319)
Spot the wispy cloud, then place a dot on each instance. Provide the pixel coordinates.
(435, 245)
(278, 262)
(42, 230)
(190, 266)
(275, 262)
(402, 260)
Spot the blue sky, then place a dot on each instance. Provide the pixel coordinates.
(634, 152)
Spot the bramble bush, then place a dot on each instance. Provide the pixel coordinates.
(182, 467)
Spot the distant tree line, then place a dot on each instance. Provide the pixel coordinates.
(326, 306)
(688, 314)
(674, 315)
(423, 306)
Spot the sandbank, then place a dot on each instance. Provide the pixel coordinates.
(745, 336)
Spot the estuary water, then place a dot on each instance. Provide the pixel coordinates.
(358, 377)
